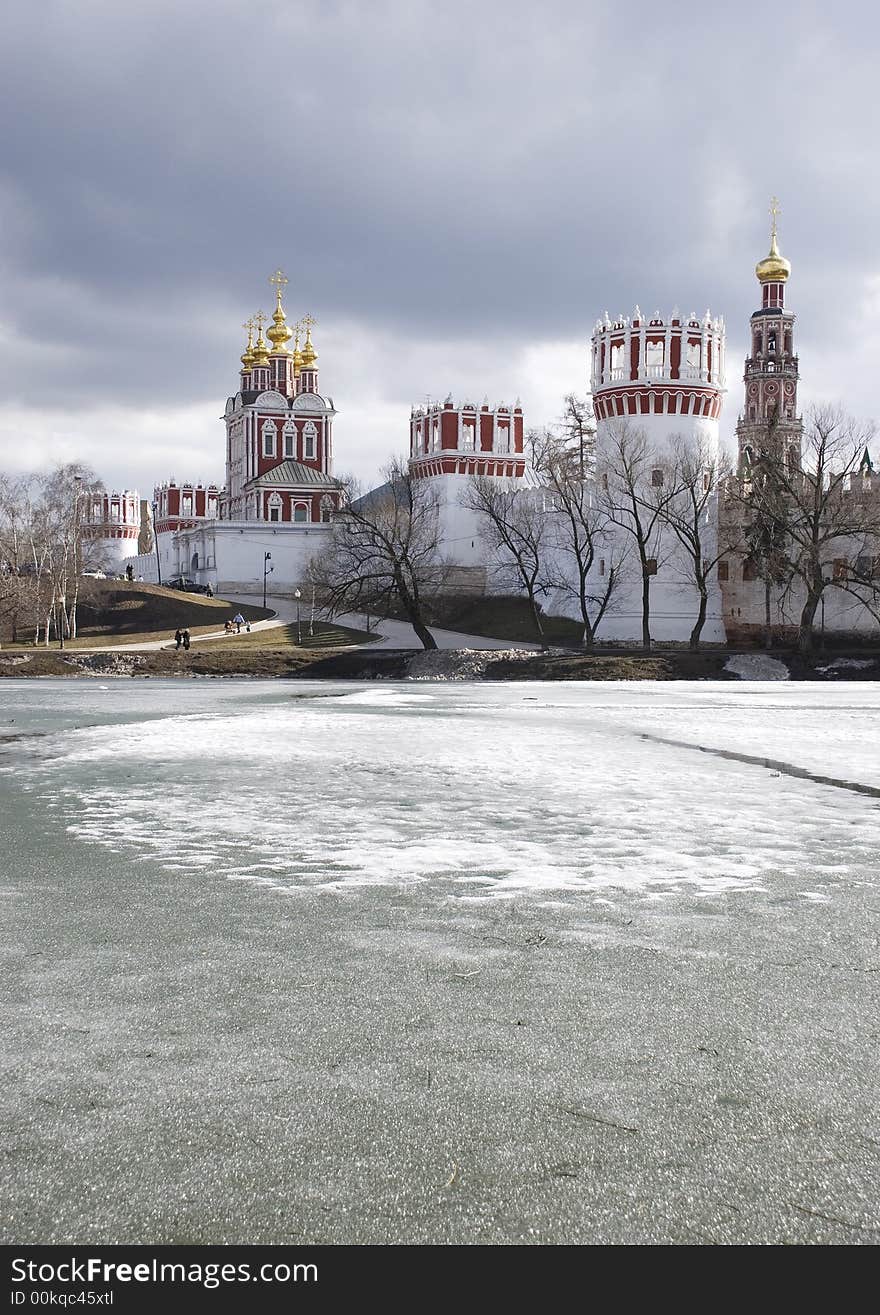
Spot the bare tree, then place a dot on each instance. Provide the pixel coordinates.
(60, 514)
(697, 470)
(577, 426)
(43, 550)
(18, 580)
(819, 512)
(581, 532)
(570, 441)
(636, 487)
(384, 554)
(514, 526)
(538, 444)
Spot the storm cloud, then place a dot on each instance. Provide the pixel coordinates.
(456, 192)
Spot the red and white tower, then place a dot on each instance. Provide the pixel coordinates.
(451, 442)
(666, 376)
(465, 439)
(771, 369)
(113, 521)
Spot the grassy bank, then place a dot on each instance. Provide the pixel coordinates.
(111, 612)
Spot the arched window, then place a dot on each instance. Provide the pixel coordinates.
(300, 512)
(194, 562)
(290, 439)
(326, 508)
(270, 433)
(310, 441)
(275, 505)
(468, 430)
(502, 439)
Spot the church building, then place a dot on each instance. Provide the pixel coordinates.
(274, 511)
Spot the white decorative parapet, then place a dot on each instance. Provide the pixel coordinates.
(639, 350)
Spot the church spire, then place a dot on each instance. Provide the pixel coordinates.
(772, 272)
(247, 358)
(308, 375)
(261, 348)
(279, 334)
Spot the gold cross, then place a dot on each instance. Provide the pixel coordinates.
(308, 321)
(279, 278)
(259, 320)
(774, 211)
(249, 325)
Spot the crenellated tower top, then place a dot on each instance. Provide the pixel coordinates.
(655, 370)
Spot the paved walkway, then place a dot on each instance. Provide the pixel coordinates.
(393, 634)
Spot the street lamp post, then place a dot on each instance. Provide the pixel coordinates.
(299, 634)
(266, 569)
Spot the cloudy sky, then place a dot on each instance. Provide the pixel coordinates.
(455, 190)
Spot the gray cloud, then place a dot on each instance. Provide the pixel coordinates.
(468, 178)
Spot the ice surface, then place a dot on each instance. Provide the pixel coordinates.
(488, 790)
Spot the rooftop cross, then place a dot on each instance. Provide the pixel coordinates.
(774, 211)
(278, 280)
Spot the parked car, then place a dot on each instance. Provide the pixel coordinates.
(186, 585)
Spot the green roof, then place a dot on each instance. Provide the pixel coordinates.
(295, 474)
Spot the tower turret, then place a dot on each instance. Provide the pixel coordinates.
(308, 373)
(260, 367)
(279, 334)
(247, 359)
(771, 369)
(664, 374)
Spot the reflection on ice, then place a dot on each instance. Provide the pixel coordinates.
(486, 791)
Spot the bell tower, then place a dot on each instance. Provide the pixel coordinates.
(771, 370)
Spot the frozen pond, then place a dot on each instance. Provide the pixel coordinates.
(295, 955)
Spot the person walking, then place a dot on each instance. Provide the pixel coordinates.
(239, 622)
(178, 639)
(186, 639)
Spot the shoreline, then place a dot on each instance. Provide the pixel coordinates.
(500, 665)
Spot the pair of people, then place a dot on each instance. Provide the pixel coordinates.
(238, 621)
(181, 637)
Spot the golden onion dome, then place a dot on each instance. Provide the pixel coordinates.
(261, 349)
(279, 334)
(309, 355)
(774, 268)
(247, 358)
